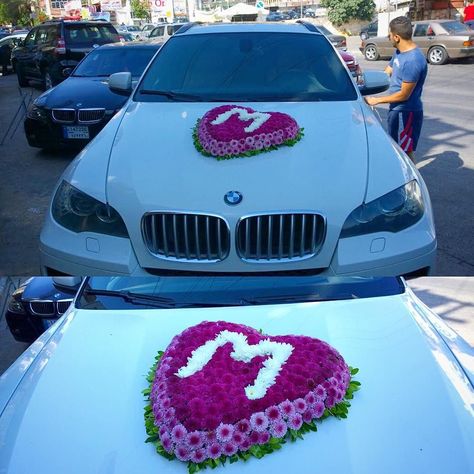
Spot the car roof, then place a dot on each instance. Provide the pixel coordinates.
(147, 45)
(246, 27)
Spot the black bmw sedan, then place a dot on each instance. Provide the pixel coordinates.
(37, 304)
(76, 110)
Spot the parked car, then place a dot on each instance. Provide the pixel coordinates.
(131, 30)
(76, 110)
(7, 44)
(354, 67)
(164, 31)
(326, 204)
(277, 16)
(338, 41)
(146, 30)
(37, 304)
(55, 45)
(412, 412)
(440, 41)
(369, 31)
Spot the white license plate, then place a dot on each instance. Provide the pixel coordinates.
(80, 132)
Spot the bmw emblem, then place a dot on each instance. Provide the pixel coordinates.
(233, 198)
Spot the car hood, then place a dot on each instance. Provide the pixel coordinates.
(79, 407)
(325, 172)
(44, 288)
(84, 93)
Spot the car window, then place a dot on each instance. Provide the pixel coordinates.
(104, 62)
(176, 28)
(89, 34)
(31, 37)
(42, 35)
(456, 28)
(52, 35)
(258, 66)
(421, 30)
(158, 31)
(323, 30)
(240, 290)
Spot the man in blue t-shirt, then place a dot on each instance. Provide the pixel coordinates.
(407, 70)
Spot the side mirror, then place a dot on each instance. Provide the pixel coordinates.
(67, 71)
(121, 83)
(374, 83)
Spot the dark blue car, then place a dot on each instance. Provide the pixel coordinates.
(75, 111)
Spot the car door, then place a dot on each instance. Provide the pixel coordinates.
(25, 53)
(41, 39)
(423, 36)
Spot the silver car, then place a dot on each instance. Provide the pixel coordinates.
(440, 41)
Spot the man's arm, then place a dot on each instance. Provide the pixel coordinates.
(401, 96)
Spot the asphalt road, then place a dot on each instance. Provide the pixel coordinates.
(446, 161)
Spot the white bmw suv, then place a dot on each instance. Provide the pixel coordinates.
(244, 148)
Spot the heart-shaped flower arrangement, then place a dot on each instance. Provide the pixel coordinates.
(224, 391)
(231, 131)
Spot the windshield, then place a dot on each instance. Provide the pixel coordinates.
(454, 27)
(211, 291)
(104, 62)
(253, 67)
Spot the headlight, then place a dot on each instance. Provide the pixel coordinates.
(16, 306)
(79, 212)
(35, 112)
(392, 212)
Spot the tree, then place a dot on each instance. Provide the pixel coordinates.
(342, 11)
(15, 12)
(140, 9)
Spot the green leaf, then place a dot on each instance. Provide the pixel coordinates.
(354, 371)
(151, 439)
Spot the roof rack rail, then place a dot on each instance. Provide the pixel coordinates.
(309, 26)
(188, 26)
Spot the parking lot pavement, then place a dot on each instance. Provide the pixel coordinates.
(446, 162)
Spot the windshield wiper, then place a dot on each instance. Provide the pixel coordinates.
(172, 95)
(135, 298)
(282, 299)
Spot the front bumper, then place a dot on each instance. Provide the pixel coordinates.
(382, 254)
(45, 133)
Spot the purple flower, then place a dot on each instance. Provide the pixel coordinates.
(163, 430)
(245, 446)
(264, 437)
(320, 393)
(238, 437)
(166, 442)
(244, 426)
(259, 421)
(273, 413)
(295, 421)
(224, 432)
(310, 398)
(214, 451)
(182, 452)
(198, 456)
(278, 429)
(287, 408)
(300, 405)
(318, 409)
(250, 141)
(194, 439)
(178, 433)
(254, 437)
(307, 416)
(229, 448)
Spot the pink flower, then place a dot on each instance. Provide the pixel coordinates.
(295, 421)
(264, 437)
(245, 446)
(194, 439)
(286, 408)
(244, 426)
(166, 442)
(198, 456)
(229, 448)
(307, 416)
(318, 409)
(214, 451)
(254, 437)
(310, 398)
(238, 437)
(259, 421)
(249, 141)
(273, 413)
(300, 405)
(320, 393)
(278, 429)
(178, 433)
(224, 432)
(182, 452)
